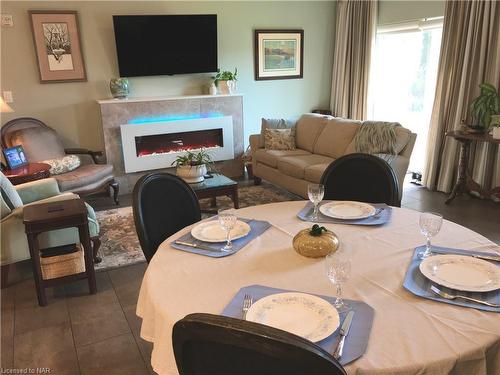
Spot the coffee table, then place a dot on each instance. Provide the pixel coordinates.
(217, 185)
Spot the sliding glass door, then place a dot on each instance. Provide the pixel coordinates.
(403, 80)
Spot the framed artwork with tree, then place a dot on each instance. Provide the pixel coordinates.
(57, 46)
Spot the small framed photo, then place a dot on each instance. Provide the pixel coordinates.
(279, 54)
(57, 46)
(15, 157)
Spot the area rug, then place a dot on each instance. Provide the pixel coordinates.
(120, 245)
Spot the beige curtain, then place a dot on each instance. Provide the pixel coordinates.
(355, 33)
(470, 55)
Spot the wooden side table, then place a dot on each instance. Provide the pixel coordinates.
(27, 173)
(216, 186)
(465, 183)
(45, 217)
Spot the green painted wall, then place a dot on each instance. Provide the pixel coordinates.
(71, 109)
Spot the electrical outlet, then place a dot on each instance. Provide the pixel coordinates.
(7, 20)
(7, 97)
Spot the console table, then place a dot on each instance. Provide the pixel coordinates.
(465, 183)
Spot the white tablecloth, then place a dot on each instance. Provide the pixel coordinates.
(410, 335)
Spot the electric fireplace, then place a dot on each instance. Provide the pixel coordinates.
(177, 142)
(155, 145)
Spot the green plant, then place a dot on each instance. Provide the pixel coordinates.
(316, 230)
(226, 76)
(486, 104)
(193, 158)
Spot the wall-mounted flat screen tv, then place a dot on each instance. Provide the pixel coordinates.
(166, 44)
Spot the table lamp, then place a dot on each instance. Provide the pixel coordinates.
(4, 107)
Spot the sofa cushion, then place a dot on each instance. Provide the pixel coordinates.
(272, 123)
(64, 164)
(307, 130)
(38, 143)
(271, 157)
(295, 166)
(336, 136)
(279, 139)
(84, 176)
(313, 173)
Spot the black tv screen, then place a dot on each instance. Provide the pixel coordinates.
(166, 44)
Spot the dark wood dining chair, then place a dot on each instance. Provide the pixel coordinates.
(361, 177)
(206, 344)
(162, 204)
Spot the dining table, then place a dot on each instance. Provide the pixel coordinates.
(410, 334)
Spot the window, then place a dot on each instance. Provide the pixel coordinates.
(403, 79)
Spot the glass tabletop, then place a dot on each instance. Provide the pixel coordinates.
(216, 180)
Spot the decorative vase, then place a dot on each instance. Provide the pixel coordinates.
(315, 246)
(119, 87)
(226, 87)
(212, 89)
(192, 174)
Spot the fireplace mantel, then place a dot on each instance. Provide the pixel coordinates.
(118, 112)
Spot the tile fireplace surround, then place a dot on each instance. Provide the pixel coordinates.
(118, 112)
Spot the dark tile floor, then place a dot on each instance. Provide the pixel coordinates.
(98, 334)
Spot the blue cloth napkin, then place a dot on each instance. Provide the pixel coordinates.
(382, 218)
(355, 342)
(257, 227)
(416, 283)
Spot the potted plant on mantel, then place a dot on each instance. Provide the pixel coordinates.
(192, 166)
(485, 109)
(225, 82)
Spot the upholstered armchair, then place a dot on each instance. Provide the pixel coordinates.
(41, 143)
(14, 243)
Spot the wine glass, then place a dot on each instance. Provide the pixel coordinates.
(227, 220)
(338, 271)
(315, 193)
(430, 224)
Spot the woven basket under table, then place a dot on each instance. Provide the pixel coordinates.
(63, 265)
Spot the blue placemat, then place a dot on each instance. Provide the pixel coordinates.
(418, 284)
(382, 218)
(257, 228)
(355, 342)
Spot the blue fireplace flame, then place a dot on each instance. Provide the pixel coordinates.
(168, 118)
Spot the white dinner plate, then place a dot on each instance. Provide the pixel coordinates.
(302, 314)
(461, 272)
(347, 210)
(211, 231)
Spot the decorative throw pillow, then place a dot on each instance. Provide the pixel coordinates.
(272, 123)
(63, 165)
(279, 139)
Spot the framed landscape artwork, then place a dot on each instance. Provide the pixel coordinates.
(57, 46)
(279, 54)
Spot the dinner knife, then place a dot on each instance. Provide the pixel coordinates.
(344, 331)
(494, 258)
(196, 246)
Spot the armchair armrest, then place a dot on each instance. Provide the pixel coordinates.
(36, 190)
(254, 142)
(83, 151)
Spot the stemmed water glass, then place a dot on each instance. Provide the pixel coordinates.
(430, 225)
(227, 220)
(315, 193)
(338, 271)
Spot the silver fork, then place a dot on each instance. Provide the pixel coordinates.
(450, 296)
(378, 211)
(247, 303)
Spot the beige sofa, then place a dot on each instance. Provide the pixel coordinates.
(319, 140)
